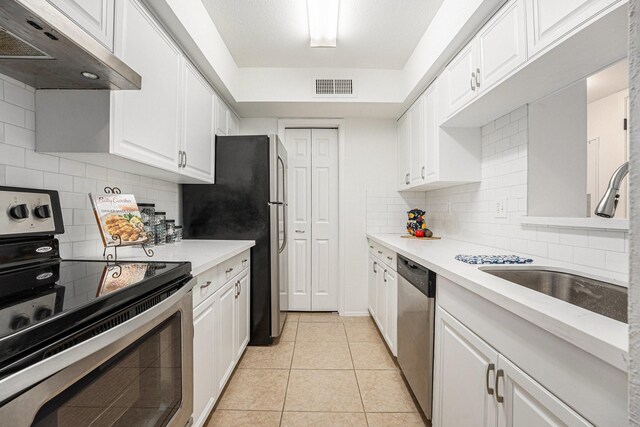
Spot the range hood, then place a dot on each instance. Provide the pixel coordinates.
(43, 48)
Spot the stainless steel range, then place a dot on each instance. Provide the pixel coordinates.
(87, 342)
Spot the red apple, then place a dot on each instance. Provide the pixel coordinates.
(419, 233)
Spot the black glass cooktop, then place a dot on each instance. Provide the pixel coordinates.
(41, 302)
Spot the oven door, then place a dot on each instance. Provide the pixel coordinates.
(139, 373)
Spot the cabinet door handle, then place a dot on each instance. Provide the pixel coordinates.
(499, 374)
(406, 178)
(300, 231)
(490, 367)
(374, 267)
(180, 158)
(384, 275)
(477, 77)
(423, 172)
(236, 286)
(473, 79)
(239, 288)
(185, 159)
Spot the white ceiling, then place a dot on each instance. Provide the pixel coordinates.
(608, 81)
(275, 33)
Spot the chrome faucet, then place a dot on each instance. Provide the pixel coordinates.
(607, 206)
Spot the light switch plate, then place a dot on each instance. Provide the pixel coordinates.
(501, 208)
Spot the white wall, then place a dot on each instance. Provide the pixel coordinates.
(369, 167)
(21, 166)
(505, 149)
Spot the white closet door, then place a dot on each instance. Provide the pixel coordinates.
(324, 230)
(298, 143)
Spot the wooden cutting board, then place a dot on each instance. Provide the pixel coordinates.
(408, 236)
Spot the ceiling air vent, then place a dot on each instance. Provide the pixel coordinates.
(334, 87)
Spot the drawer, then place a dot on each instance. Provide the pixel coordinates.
(206, 285)
(390, 258)
(230, 268)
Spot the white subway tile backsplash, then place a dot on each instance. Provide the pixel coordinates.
(72, 167)
(594, 258)
(41, 162)
(21, 166)
(607, 240)
(20, 177)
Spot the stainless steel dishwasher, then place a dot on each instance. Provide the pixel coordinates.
(416, 320)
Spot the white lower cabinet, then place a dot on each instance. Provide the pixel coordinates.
(221, 332)
(242, 312)
(205, 389)
(226, 348)
(383, 294)
(474, 385)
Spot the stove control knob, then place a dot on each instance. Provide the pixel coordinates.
(19, 212)
(42, 211)
(42, 313)
(19, 322)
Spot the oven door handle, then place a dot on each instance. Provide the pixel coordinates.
(92, 353)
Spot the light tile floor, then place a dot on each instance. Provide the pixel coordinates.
(324, 370)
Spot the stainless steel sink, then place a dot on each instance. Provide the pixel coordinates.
(594, 295)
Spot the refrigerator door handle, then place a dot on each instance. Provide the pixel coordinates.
(284, 203)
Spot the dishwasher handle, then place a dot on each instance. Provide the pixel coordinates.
(420, 277)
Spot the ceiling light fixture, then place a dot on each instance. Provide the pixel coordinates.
(323, 22)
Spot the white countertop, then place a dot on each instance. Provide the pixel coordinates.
(605, 338)
(202, 254)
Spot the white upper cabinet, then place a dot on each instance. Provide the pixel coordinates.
(416, 143)
(197, 130)
(431, 157)
(459, 79)
(222, 117)
(501, 45)
(93, 16)
(549, 20)
(147, 120)
(404, 141)
(234, 124)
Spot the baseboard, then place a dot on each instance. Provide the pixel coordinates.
(355, 313)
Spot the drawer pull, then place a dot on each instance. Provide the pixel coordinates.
(389, 258)
(229, 270)
(370, 247)
(380, 252)
(206, 285)
(244, 262)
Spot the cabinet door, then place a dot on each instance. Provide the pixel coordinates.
(404, 137)
(371, 282)
(459, 78)
(197, 127)
(234, 123)
(226, 342)
(502, 44)
(243, 301)
(431, 132)
(464, 375)
(527, 403)
(147, 120)
(205, 388)
(222, 113)
(416, 143)
(93, 16)
(391, 313)
(381, 298)
(549, 20)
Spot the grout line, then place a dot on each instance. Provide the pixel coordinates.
(364, 409)
(289, 374)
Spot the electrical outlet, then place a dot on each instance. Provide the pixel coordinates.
(501, 208)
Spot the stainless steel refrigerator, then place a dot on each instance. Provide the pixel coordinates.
(248, 202)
